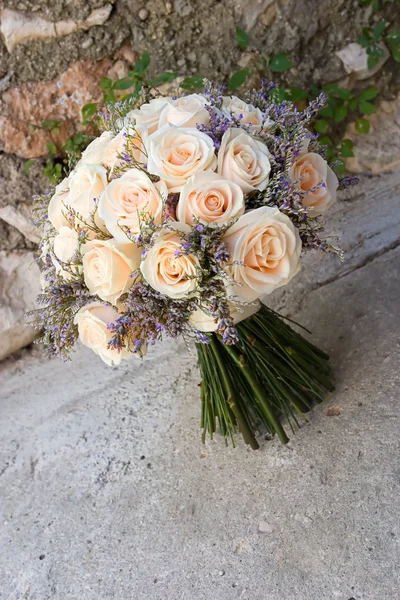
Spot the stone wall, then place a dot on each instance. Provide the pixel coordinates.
(53, 54)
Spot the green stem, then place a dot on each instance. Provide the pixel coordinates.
(259, 394)
(232, 398)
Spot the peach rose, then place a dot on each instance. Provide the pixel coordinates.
(210, 198)
(166, 269)
(128, 140)
(307, 172)
(248, 114)
(127, 198)
(93, 155)
(92, 321)
(65, 245)
(185, 111)
(107, 267)
(176, 154)
(148, 114)
(205, 323)
(244, 160)
(265, 247)
(57, 205)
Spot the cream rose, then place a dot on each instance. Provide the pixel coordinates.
(265, 247)
(307, 172)
(57, 205)
(205, 323)
(107, 266)
(93, 155)
(92, 321)
(166, 269)
(129, 140)
(65, 244)
(148, 114)
(127, 198)
(248, 114)
(185, 111)
(210, 198)
(176, 154)
(244, 160)
(86, 184)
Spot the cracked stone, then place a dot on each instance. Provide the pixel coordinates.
(19, 27)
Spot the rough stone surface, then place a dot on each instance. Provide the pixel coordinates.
(379, 151)
(107, 492)
(61, 99)
(19, 286)
(18, 27)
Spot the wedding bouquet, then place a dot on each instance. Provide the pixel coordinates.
(177, 220)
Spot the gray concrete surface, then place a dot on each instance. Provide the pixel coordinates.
(107, 492)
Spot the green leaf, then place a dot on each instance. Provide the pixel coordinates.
(123, 84)
(321, 126)
(109, 97)
(340, 113)
(368, 94)
(27, 166)
(142, 63)
(373, 60)
(297, 94)
(327, 111)
(362, 125)
(280, 62)
(367, 108)
(165, 77)
(138, 86)
(105, 83)
(278, 95)
(325, 140)
(395, 50)
(242, 38)
(88, 111)
(237, 79)
(52, 148)
(51, 124)
(363, 41)
(339, 168)
(393, 38)
(346, 152)
(346, 143)
(195, 82)
(343, 93)
(377, 31)
(331, 89)
(352, 103)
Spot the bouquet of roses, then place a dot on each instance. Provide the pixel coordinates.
(177, 220)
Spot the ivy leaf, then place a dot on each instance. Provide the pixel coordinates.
(237, 79)
(331, 89)
(242, 38)
(352, 104)
(368, 94)
(367, 108)
(377, 31)
(325, 140)
(109, 96)
(395, 50)
(362, 125)
(165, 77)
(340, 113)
(280, 62)
(363, 41)
(123, 84)
(321, 126)
(105, 83)
(346, 149)
(195, 82)
(88, 111)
